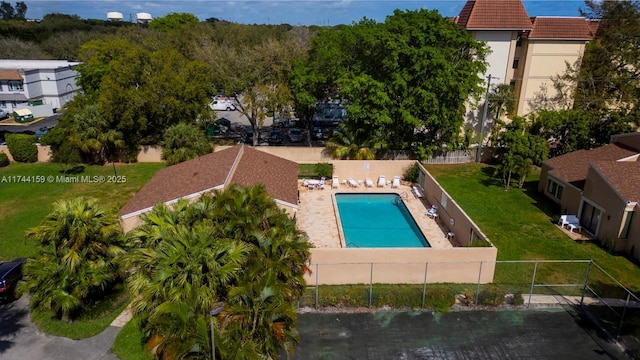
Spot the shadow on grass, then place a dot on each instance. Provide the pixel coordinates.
(78, 169)
(490, 177)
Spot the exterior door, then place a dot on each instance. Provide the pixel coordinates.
(590, 217)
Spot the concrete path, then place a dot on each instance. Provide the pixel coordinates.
(20, 339)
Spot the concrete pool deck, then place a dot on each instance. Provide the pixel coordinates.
(316, 214)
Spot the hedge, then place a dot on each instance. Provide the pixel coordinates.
(22, 147)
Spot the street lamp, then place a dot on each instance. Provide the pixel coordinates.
(213, 313)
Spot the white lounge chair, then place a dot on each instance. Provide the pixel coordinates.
(417, 192)
(352, 182)
(335, 182)
(396, 182)
(368, 182)
(382, 181)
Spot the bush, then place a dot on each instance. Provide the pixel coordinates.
(491, 296)
(411, 173)
(22, 147)
(517, 299)
(324, 169)
(4, 160)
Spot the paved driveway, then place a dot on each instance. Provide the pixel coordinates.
(21, 340)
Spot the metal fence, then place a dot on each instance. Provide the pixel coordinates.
(577, 283)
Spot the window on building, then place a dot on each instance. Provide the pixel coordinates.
(512, 83)
(15, 86)
(555, 189)
(516, 60)
(627, 222)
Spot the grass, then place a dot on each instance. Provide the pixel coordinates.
(96, 320)
(520, 223)
(25, 204)
(128, 344)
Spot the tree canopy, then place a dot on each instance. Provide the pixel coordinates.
(235, 248)
(406, 80)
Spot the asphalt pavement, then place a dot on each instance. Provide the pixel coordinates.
(20, 339)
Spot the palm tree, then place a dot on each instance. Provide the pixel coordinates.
(344, 145)
(93, 135)
(182, 142)
(79, 244)
(235, 247)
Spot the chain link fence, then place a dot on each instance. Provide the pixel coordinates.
(581, 284)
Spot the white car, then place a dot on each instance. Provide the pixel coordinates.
(222, 105)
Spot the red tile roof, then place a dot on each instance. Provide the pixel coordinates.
(494, 14)
(10, 75)
(238, 164)
(624, 177)
(576, 28)
(572, 168)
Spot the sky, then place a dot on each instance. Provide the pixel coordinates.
(293, 12)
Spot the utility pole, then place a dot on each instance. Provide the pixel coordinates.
(484, 118)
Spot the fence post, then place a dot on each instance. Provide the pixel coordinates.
(316, 286)
(478, 288)
(624, 311)
(533, 281)
(586, 282)
(371, 287)
(424, 285)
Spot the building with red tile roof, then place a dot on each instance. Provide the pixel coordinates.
(602, 187)
(526, 53)
(191, 179)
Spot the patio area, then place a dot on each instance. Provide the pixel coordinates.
(317, 217)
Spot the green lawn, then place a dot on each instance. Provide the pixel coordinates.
(24, 204)
(521, 222)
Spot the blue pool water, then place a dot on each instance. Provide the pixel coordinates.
(377, 220)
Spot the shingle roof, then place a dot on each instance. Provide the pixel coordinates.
(572, 168)
(576, 28)
(10, 75)
(494, 14)
(624, 176)
(238, 164)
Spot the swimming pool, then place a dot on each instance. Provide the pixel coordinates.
(377, 220)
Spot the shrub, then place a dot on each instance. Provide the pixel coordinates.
(491, 296)
(4, 160)
(324, 169)
(22, 147)
(411, 173)
(517, 299)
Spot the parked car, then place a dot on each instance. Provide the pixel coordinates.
(248, 137)
(295, 136)
(3, 114)
(40, 132)
(275, 137)
(316, 133)
(10, 274)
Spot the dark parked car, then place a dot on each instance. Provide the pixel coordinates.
(295, 136)
(248, 137)
(316, 133)
(40, 132)
(275, 137)
(10, 274)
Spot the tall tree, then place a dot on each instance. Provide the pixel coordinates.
(406, 80)
(609, 75)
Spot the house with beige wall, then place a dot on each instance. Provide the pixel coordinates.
(601, 187)
(525, 52)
